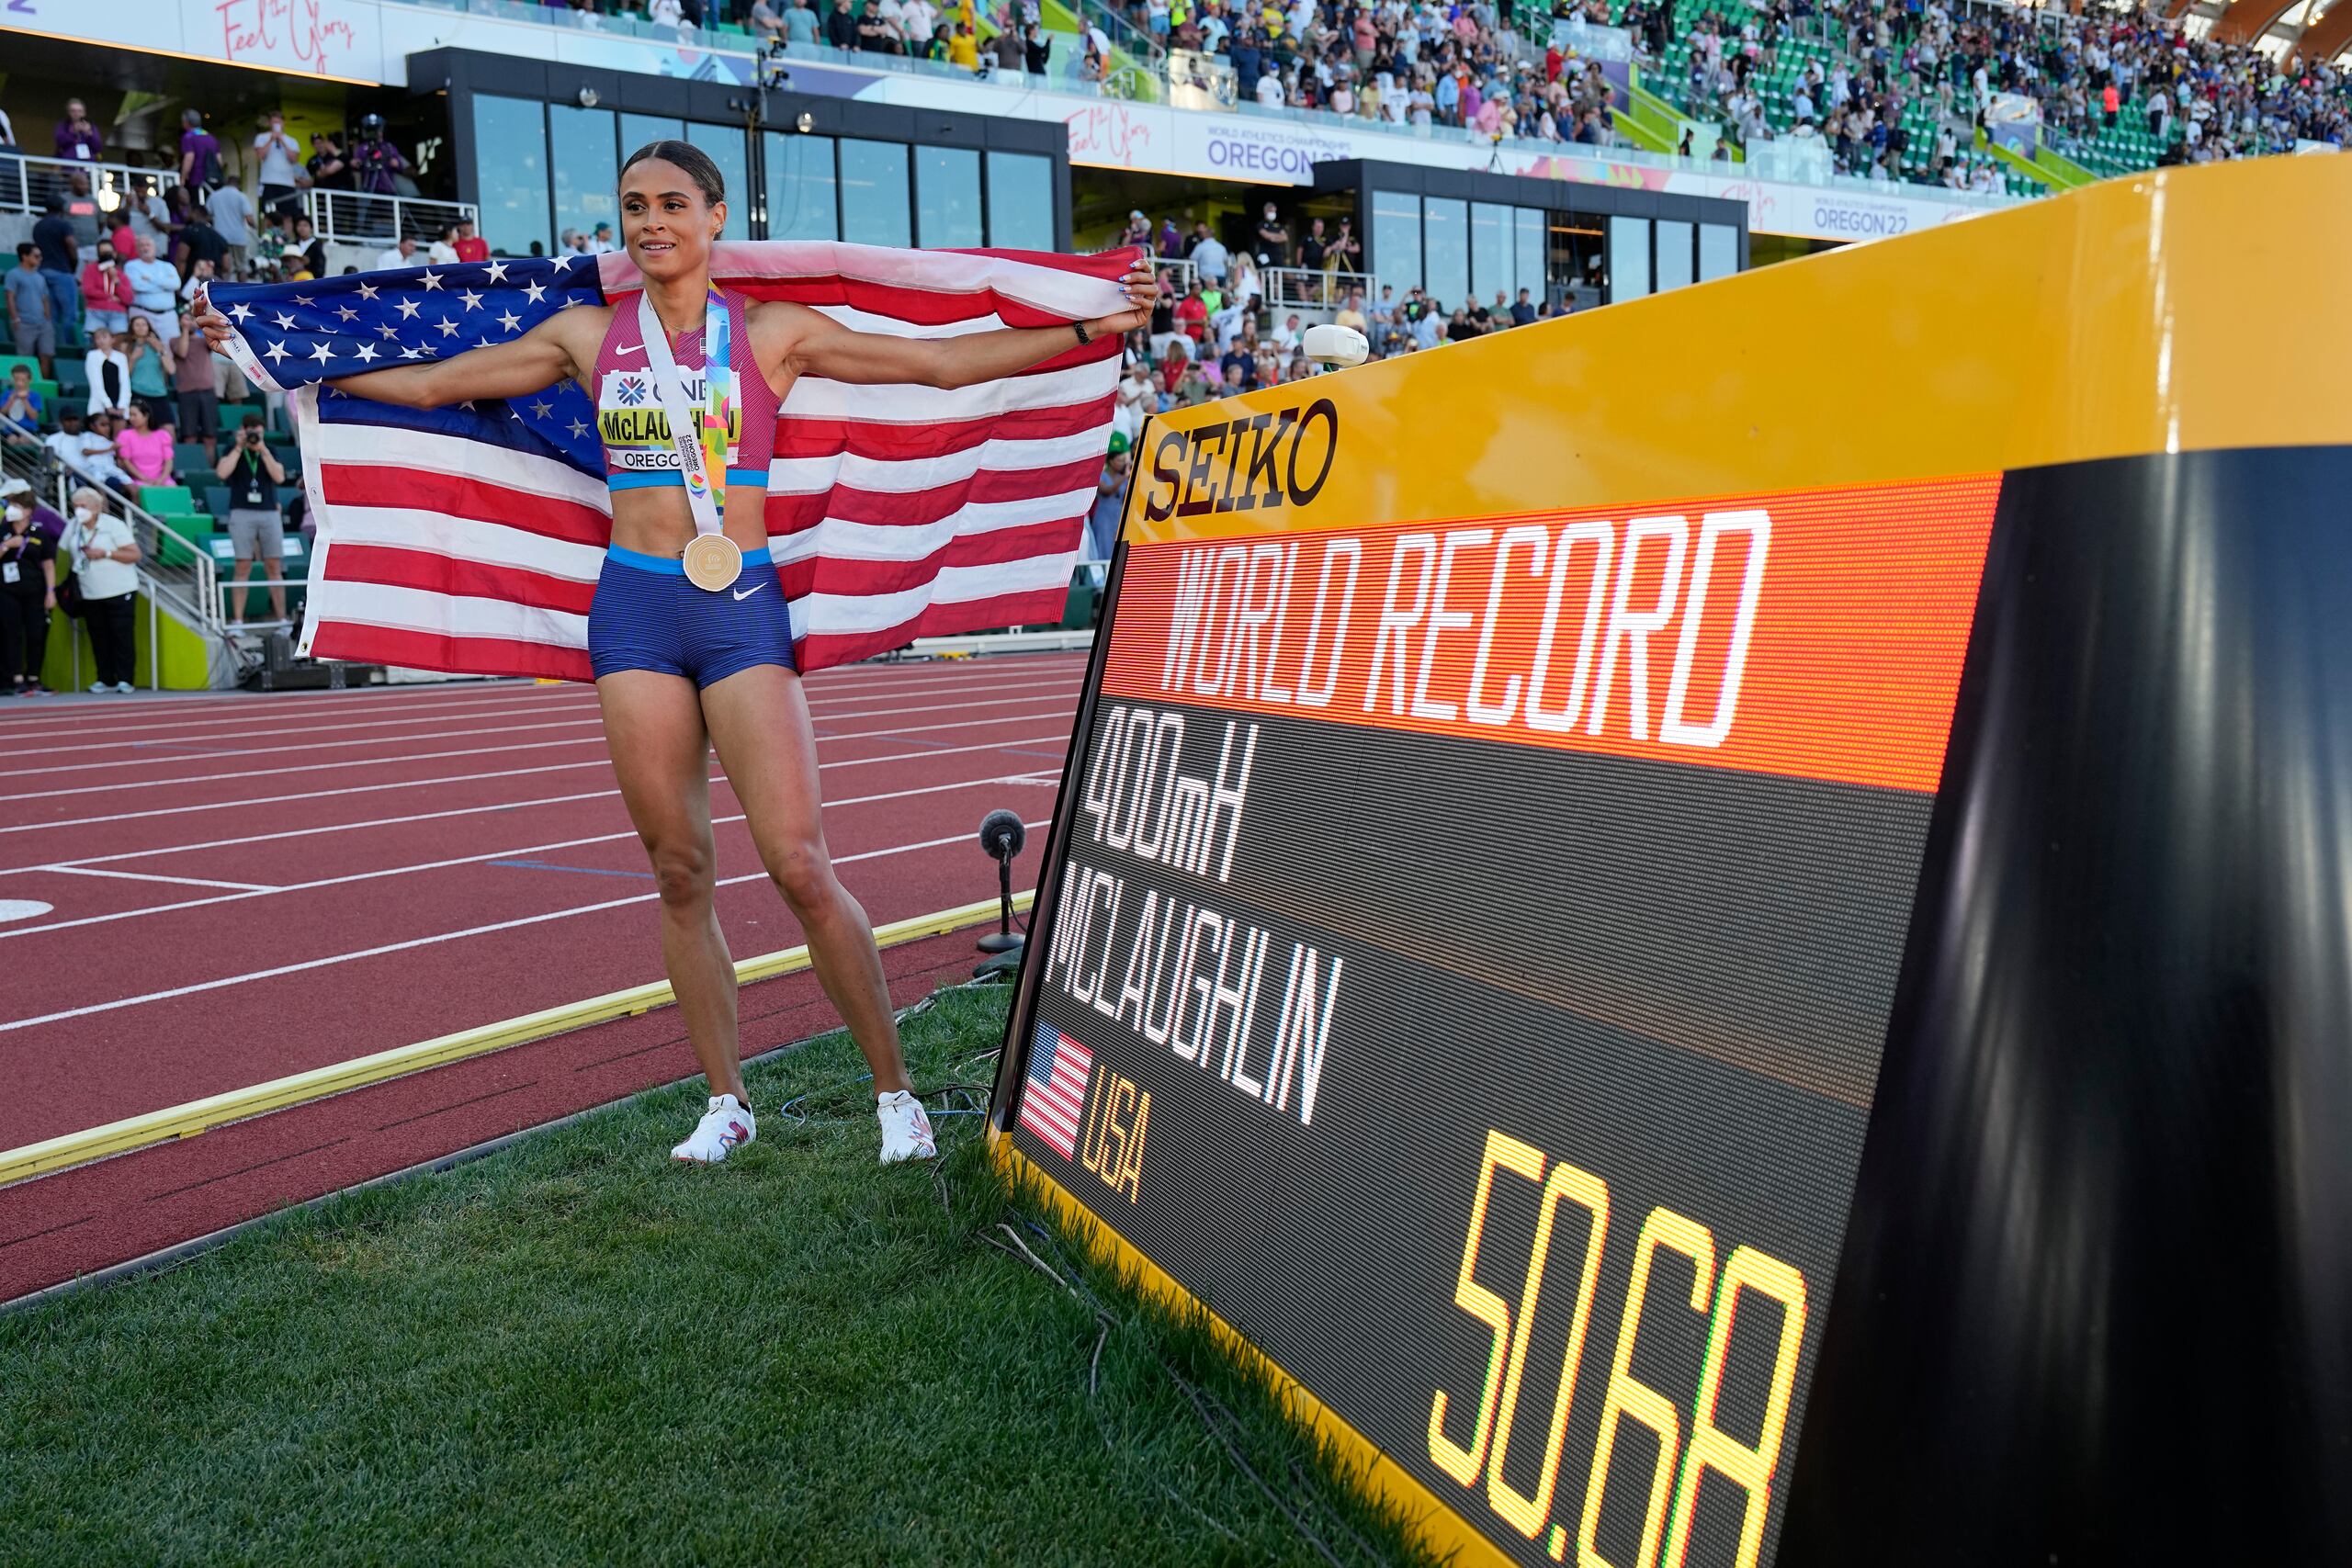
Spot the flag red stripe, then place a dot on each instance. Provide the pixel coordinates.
(913, 508)
(435, 573)
(1039, 607)
(360, 644)
(462, 495)
(800, 437)
(835, 574)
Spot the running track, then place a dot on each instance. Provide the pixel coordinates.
(248, 886)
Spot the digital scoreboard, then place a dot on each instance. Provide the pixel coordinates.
(1472, 937)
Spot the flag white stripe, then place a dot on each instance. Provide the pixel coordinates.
(860, 320)
(450, 615)
(492, 543)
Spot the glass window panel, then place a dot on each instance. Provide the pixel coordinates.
(1718, 251)
(585, 169)
(725, 145)
(1490, 251)
(1397, 240)
(510, 167)
(636, 130)
(1674, 241)
(874, 193)
(947, 197)
(1445, 246)
(1530, 235)
(1629, 258)
(801, 188)
(1020, 201)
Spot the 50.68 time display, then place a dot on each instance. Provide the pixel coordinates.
(1570, 1194)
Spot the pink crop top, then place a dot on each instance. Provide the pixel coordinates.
(635, 435)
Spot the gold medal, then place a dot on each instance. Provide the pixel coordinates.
(713, 561)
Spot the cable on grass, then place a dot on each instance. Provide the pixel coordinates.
(1213, 1414)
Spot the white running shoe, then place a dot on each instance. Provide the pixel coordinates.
(724, 1128)
(906, 1131)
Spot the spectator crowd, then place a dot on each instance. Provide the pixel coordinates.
(1873, 73)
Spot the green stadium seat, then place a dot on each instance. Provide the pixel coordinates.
(216, 500)
(73, 380)
(162, 499)
(195, 529)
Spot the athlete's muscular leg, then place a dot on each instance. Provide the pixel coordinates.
(759, 720)
(653, 725)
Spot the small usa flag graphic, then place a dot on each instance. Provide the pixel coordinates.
(1054, 1099)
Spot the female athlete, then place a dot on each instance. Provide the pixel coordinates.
(682, 667)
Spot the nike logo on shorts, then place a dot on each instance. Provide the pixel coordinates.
(747, 592)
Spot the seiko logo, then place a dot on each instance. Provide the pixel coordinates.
(1243, 464)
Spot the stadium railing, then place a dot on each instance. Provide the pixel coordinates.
(349, 218)
(27, 182)
(1312, 288)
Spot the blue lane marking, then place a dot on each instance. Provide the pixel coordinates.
(582, 869)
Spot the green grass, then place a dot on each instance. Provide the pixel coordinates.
(576, 1351)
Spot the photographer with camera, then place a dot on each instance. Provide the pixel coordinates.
(256, 529)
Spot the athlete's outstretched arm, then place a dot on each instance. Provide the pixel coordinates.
(531, 363)
(822, 346)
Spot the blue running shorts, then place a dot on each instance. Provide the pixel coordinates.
(646, 615)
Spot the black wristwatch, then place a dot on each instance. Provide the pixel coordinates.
(1083, 335)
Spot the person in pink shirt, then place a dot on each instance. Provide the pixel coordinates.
(145, 449)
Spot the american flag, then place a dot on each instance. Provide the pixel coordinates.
(1053, 1101)
(469, 539)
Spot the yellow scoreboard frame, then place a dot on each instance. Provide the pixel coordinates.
(2043, 361)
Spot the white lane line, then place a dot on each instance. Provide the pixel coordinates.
(1062, 738)
(165, 759)
(596, 739)
(513, 852)
(1048, 779)
(148, 758)
(413, 943)
(126, 738)
(248, 887)
(470, 702)
(371, 822)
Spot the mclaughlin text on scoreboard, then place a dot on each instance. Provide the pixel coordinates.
(1470, 948)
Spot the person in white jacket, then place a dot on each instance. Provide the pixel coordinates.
(109, 374)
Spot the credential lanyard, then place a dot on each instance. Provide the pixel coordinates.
(700, 436)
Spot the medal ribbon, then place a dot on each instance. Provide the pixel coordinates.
(698, 436)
